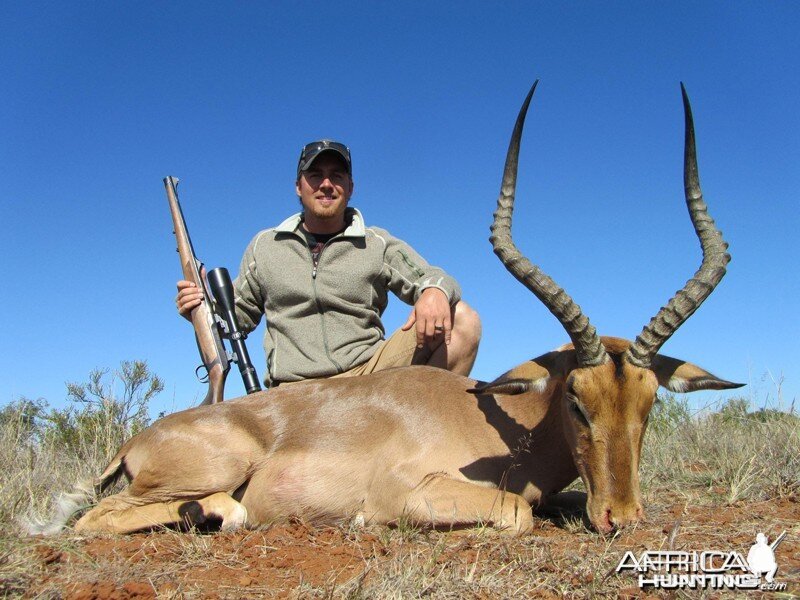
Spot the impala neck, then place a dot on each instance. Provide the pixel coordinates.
(541, 444)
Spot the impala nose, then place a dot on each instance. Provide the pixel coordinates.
(613, 518)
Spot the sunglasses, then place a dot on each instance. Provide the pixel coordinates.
(317, 147)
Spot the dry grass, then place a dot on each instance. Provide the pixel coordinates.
(708, 482)
(735, 454)
(550, 563)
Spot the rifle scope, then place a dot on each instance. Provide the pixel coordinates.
(219, 281)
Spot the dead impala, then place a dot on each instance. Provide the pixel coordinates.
(423, 443)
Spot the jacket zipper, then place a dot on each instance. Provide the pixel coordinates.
(314, 269)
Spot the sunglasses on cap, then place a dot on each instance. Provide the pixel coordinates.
(314, 149)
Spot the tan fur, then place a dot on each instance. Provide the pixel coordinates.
(403, 443)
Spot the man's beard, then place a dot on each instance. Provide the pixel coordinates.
(326, 212)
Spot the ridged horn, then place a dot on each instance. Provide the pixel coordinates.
(712, 269)
(589, 349)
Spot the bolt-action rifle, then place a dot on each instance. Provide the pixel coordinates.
(209, 325)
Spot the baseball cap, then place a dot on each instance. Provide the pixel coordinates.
(312, 150)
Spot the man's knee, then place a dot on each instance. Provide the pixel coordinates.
(467, 324)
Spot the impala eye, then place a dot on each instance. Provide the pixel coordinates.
(576, 410)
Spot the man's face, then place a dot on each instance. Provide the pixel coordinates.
(325, 187)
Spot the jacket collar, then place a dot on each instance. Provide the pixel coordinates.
(356, 229)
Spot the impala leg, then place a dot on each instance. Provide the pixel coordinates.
(122, 513)
(440, 500)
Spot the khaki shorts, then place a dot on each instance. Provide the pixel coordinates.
(399, 350)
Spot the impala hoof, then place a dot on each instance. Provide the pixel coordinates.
(236, 519)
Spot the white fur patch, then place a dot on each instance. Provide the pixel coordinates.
(678, 385)
(66, 505)
(236, 519)
(540, 385)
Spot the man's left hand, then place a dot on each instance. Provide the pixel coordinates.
(432, 315)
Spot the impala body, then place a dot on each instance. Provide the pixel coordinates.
(423, 443)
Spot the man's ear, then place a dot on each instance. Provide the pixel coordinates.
(682, 377)
(297, 187)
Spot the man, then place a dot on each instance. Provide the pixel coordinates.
(321, 278)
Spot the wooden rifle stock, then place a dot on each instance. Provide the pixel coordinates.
(206, 329)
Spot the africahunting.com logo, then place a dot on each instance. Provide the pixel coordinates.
(712, 569)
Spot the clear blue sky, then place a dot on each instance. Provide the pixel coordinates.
(99, 101)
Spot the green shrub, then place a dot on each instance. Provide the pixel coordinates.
(44, 450)
(101, 416)
(734, 452)
(668, 413)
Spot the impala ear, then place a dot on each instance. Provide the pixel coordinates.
(682, 377)
(528, 377)
(510, 387)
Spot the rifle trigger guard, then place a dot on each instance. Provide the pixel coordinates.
(201, 378)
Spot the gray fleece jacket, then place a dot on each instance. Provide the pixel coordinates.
(327, 320)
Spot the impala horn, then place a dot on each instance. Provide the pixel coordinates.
(712, 269)
(589, 349)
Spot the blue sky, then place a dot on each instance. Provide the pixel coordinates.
(100, 101)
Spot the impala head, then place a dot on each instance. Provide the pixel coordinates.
(606, 387)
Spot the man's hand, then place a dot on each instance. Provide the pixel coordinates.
(189, 296)
(432, 314)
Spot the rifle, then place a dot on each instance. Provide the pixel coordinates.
(222, 289)
(208, 326)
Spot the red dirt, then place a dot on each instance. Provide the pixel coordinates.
(302, 561)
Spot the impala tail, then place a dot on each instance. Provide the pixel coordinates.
(83, 495)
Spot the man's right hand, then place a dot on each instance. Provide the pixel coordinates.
(189, 296)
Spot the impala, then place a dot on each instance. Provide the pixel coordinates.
(422, 443)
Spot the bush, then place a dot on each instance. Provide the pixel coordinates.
(739, 453)
(733, 411)
(106, 419)
(736, 410)
(669, 413)
(44, 450)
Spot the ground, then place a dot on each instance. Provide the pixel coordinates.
(561, 557)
